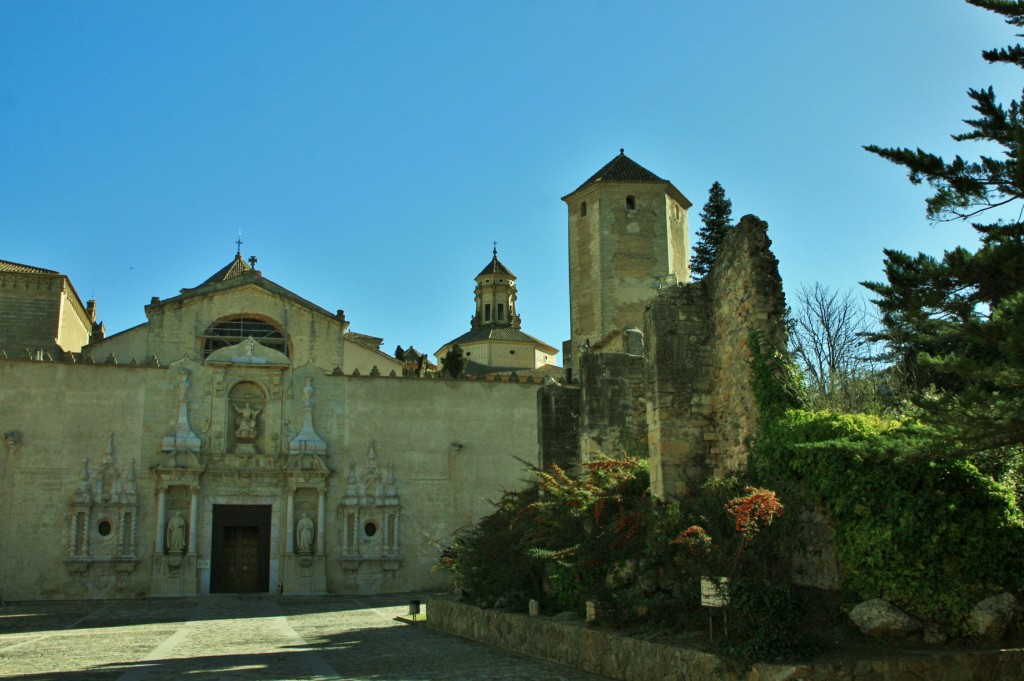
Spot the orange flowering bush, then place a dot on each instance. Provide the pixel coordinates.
(696, 539)
(754, 511)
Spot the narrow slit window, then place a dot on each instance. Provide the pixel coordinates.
(501, 311)
(630, 202)
(487, 312)
(583, 209)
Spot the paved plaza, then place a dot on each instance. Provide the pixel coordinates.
(245, 637)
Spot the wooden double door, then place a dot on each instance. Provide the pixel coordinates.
(240, 551)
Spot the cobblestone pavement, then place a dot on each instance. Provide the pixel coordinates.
(246, 637)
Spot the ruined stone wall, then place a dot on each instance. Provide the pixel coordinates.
(558, 426)
(679, 374)
(701, 410)
(613, 416)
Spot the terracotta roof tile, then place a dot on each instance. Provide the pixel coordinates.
(621, 169)
(495, 267)
(8, 266)
(498, 333)
(229, 271)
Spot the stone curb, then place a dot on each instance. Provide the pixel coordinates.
(628, 659)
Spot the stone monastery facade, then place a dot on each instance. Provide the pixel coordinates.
(244, 439)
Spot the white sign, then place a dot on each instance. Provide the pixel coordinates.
(714, 592)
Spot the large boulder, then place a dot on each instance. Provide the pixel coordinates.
(991, 617)
(876, 617)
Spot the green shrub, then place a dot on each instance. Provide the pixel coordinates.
(930, 534)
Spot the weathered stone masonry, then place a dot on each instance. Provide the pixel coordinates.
(702, 415)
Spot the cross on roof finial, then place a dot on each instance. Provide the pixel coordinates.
(495, 248)
(239, 242)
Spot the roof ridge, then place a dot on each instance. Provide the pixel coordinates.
(235, 268)
(621, 169)
(10, 266)
(495, 266)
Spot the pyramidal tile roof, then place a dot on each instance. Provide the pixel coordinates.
(495, 267)
(621, 169)
(8, 266)
(233, 269)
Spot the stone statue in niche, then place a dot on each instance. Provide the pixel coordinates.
(246, 427)
(176, 534)
(304, 534)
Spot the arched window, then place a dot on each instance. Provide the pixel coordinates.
(630, 202)
(233, 330)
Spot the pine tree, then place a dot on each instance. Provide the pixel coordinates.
(716, 216)
(954, 325)
(454, 362)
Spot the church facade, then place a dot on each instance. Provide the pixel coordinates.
(243, 439)
(271, 450)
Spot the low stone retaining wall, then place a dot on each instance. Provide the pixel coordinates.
(619, 657)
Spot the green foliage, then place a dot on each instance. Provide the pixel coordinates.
(399, 352)
(964, 189)
(778, 385)
(562, 542)
(490, 560)
(932, 537)
(952, 325)
(766, 621)
(717, 218)
(454, 362)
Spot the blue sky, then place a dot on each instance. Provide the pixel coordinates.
(371, 152)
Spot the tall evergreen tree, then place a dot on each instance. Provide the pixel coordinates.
(954, 325)
(716, 216)
(454, 362)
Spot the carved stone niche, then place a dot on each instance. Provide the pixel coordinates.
(102, 519)
(369, 516)
(246, 414)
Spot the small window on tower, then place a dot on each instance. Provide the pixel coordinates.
(583, 209)
(630, 202)
(501, 311)
(487, 312)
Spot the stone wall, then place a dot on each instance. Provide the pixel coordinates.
(613, 418)
(558, 426)
(31, 307)
(455, 446)
(617, 253)
(701, 411)
(619, 657)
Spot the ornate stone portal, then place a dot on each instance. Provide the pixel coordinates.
(241, 461)
(102, 526)
(369, 524)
